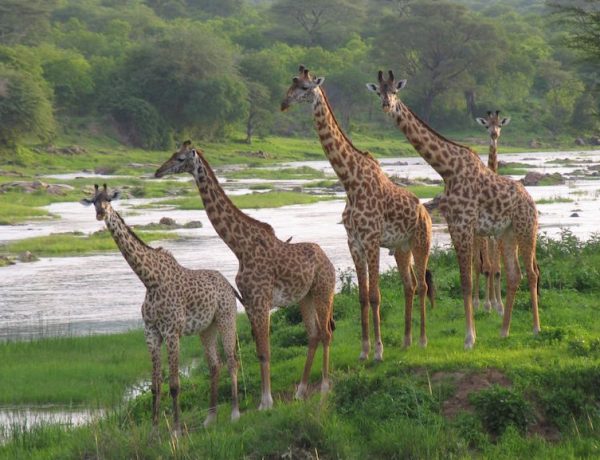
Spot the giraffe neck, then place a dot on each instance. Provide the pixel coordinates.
(238, 230)
(448, 158)
(493, 155)
(137, 253)
(345, 159)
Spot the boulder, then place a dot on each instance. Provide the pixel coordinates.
(193, 224)
(167, 221)
(27, 257)
(534, 178)
(579, 141)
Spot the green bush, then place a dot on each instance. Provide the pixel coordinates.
(141, 123)
(499, 407)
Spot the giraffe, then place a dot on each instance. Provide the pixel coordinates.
(178, 301)
(272, 273)
(378, 213)
(475, 201)
(493, 123)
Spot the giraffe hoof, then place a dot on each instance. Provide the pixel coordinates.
(487, 306)
(300, 392)
(363, 356)
(469, 342)
(324, 387)
(423, 342)
(407, 342)
(536, 330)
(378, 358)
(266, 403)
(235, 415)
(503, 333)
(210, 419)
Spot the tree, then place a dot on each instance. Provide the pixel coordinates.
(25, 107)
(24, 22)
(438, 45)
(583, 20)
(317, 22)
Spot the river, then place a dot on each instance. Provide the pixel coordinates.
(100, 294)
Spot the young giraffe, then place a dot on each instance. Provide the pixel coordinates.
(378, 213)
(475, 201)
(493, 123)
(179, 301)
(272, 273)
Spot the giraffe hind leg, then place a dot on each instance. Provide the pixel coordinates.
(209, 341)
(226, 323)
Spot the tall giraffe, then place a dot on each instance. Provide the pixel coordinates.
(272, 273)
(179, 301)
(378, 213)
(493, 123)
(475, 201)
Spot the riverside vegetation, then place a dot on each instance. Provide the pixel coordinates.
(523, 396)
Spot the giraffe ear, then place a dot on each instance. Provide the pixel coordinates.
(481, 121)
(400, 84)
(115, 196)
(505, 121)
(86, 202)
(318, 81)
(372, 87)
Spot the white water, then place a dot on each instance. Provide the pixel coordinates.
(100, 293)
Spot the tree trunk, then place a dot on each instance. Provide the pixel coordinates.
(249, 128)
(470, 103)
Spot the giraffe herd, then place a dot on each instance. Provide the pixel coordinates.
(488, 217)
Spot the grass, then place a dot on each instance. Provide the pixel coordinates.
(554, 199)
(76, 243)
(548, 406)
(426, 191)
(251, 201)
(302, 172)
(11, 213)
(90, 370)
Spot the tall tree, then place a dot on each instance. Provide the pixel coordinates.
(317, 22)
(438, 44)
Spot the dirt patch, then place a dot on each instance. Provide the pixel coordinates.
(467, 383)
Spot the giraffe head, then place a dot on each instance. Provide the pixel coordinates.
(186, 159)
(493, 123)
(387, 89)
(101, 201)
(302, 89)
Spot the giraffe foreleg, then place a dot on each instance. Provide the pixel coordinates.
(421, 257)
(226, 323)
(209, 341)
(462, 239)
(375, 298)
(174, 388)
(258, 313)
(154, 342)
(360, 264)
(403, 259)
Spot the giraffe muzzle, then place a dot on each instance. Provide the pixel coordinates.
(284, 105)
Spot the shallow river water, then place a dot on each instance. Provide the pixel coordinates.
(100, 294)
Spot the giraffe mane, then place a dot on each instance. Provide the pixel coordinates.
(131, 232)
(362, 152)
(433, 131)
(237, 211)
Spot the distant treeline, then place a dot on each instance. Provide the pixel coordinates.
(152, 70)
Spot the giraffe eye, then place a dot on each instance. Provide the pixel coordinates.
(304, 87)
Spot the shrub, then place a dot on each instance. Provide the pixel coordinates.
(499, 407)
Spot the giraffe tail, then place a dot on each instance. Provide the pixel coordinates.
(539, 273)
(237, 295)
(430, 287)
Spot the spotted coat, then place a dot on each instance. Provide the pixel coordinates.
(272, 273)
(475, 202)
(378, 213)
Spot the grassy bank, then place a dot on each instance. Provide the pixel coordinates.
(252, 201)
(525, 396)
(74, 244)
